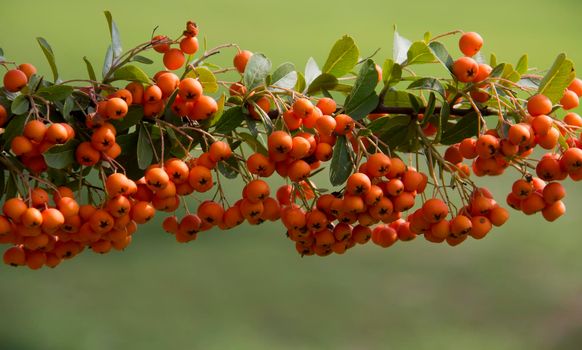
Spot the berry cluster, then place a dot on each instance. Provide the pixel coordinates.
(114, 156)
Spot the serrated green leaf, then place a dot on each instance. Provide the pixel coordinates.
(20, 105)
(342, 162)
(145, 153)
(342, 58)
(130, 72)
(557, 79)
(61, 156)
(50, 56)
(256, 71)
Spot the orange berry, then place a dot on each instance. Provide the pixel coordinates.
(156, 179)
(465, 69)
(200, 178)
(460, 225)
(384, 236)
(142, 212)
(480, 227)
(204, 108)
(57, 133)
(219, 151)
(484, 71)
(498, 216)
(31, 218)
(15, 256)
(174, 59)
(326, 105)
(190, 89)
(211, 212)
(116, 108)
(470, 43)
(15, 80)
(160, 43)
(256, 191)
(378, 164)
(434, 210)
(553, 211)
(576, 86)
(260, 165)
(189, 45)
(280, 142)
(538, 105)
(28, 69)
(35, 130)
(241, 59)
(344, 124)
(21, 145)
(152, 94)
(569, 100)
(553, 192)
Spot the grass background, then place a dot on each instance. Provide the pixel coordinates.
(520, 288)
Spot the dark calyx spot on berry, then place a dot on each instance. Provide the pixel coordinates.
(103, 223)
(471, 72)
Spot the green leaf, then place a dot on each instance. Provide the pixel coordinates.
(55, 92)
(391, 72)
(130, 72)
(216, 117)
(557, 79)
(107, 62)
(145, 153)
(230, 120)
(2, 181)
(284, 76)
(205, 77)
(142, 59)
(229, 168)
(114, 32)
(363, 99)
(90, 69)
(133, 117)
(442, 121)
(14, 128)
(312, 71)
(256, 71)
(383, 125)
(497, 71)
(50, 56)
(440, 52)
(342, 58)
(394, 98)
(254, 143)
(267, 122)
(400, 47)
(342, 162)
(20, 105)
(301, 84)
(61, 156)
(419, 53)
(429, 110)
(465, 127)
(323, 82)
(11, 186)
(67, 109)
(493, 60)
(522, 64)
(431, 84)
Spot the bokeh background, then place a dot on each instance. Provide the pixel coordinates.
(520, 288)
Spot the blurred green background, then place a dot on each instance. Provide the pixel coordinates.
(520, 288)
